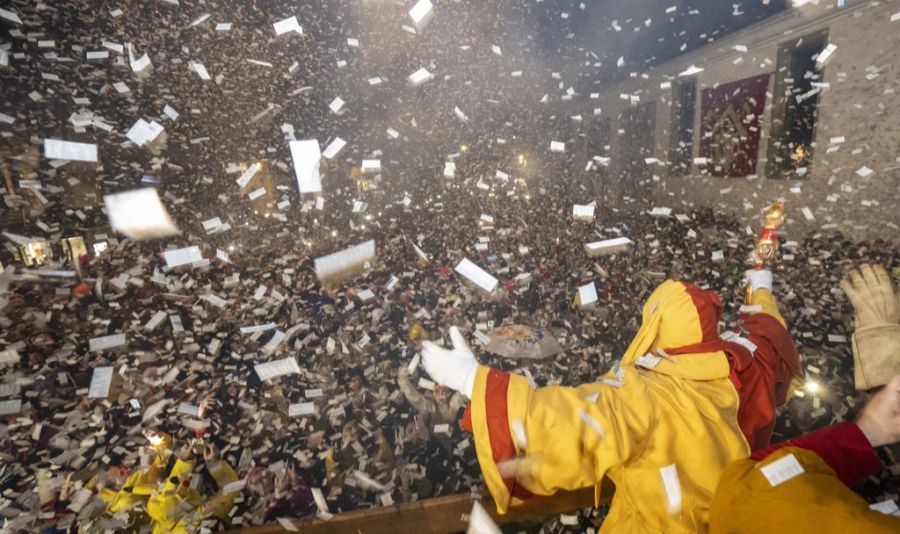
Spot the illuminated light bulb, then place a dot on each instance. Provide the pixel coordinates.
(334, 233)
(155, 440)
(811, 386)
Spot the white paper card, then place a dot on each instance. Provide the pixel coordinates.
(100, 382)
(106, 342)
(583, 212)
(248, 175)
(9, 407)
(276, 368)
(421, 14)
(608, 246)
(587, 294)
(334, 147)
(344, 260)
(782, 470)
(68, 150)
(143, 132)
(301, 408)
(306, 156)
(419, 77)
(10, 16)
(288, 25)
(182, 256)
(672, 487)
(139, 214)
(476, 274)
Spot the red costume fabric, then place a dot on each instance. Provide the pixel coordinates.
(843, 447)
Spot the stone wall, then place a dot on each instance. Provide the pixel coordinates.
(861, 105)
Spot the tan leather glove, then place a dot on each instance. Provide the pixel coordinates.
(876, 341)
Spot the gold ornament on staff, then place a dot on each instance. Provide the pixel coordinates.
(767, 243)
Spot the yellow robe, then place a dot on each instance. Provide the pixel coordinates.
(629, 427)
(815, 502)
(178, 504)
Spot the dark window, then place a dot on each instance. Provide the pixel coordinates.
(681, 136)
(635, 175)
(795, 107)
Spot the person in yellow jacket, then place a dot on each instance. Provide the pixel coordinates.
(662, 425)
(123, 490)
(803, 486)
(178, 505)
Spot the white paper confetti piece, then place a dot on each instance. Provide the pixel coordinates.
(608, 246)
(143, 132)
(334, 147)
(139, 215)
(476, 274)
(782, 470)
(864, 171)
(182, 256)
(98, 344)
(421, 14)
(301, 409)
(419, 77)
(288, 25)
(587, 294)
(68, 150)
(371, 165)
(647, 361)
(10, 16)
(269, 370)
(583, 213)
(307, 156)
(100, 383)
(887, 507)
(10, 407)
(672, 487)
(248, 175)
(480, 521)
(593, 423)
(518, 428)
(200, 70)
(345, 260)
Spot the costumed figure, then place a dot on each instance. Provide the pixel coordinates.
(683, 403)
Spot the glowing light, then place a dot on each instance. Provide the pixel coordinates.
(463, 148)
(811, 386)
(155, 440)
(334, 233)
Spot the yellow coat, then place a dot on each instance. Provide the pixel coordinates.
(139, 484)
(630, 427)
(815, 502)
(178, 504)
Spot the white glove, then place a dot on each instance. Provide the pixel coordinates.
(759, 279)
(454, 368)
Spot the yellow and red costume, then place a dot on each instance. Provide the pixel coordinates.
(682, 405)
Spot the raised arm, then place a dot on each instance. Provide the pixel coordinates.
(537, 441)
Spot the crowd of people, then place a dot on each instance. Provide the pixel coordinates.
(186, 434)
(376, 435)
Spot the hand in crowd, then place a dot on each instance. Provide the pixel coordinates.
(210, 454)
